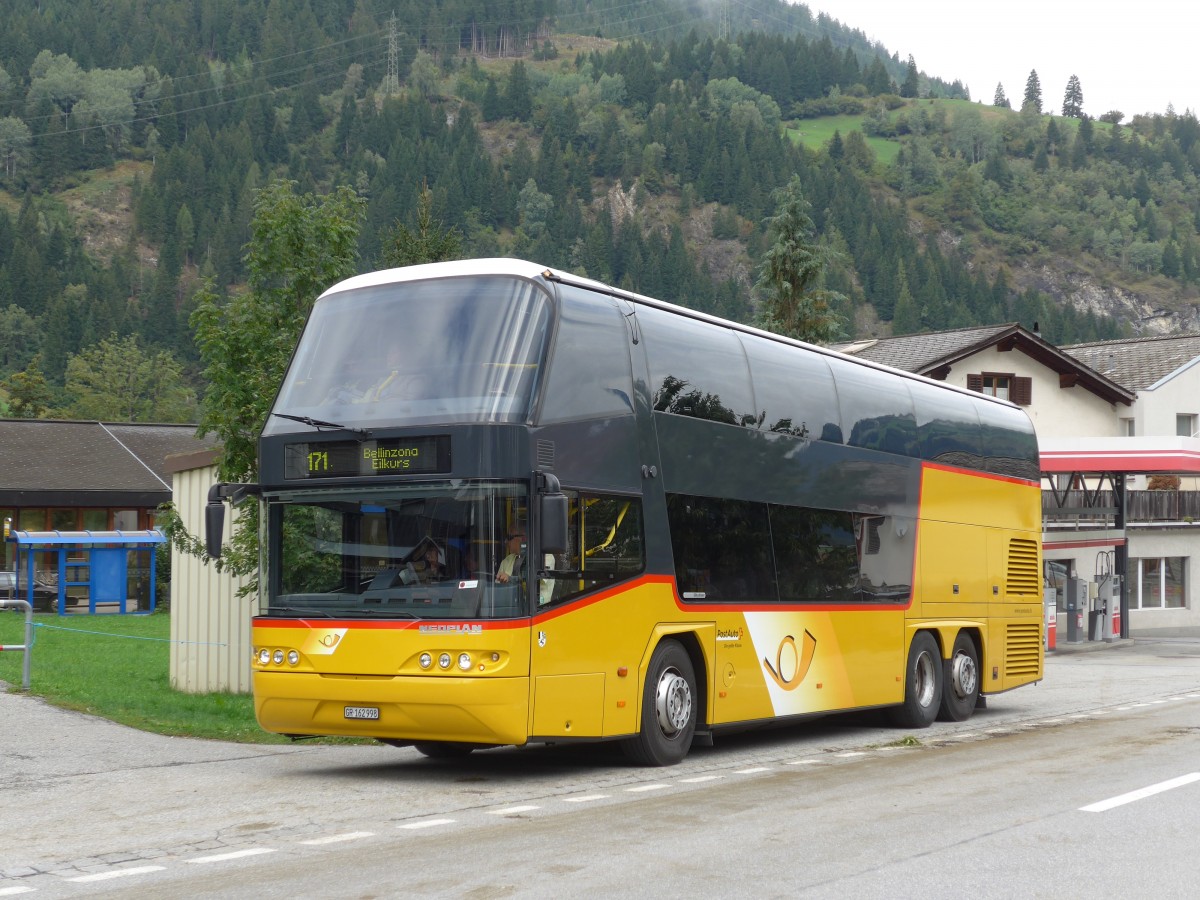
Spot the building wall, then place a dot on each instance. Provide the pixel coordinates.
(1155, 410)
(1141, 543)
(210, 624)
(1055, 411)
(1170, 542)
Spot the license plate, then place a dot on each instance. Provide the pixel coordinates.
(362, 712)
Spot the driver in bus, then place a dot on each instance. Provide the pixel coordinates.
(511, 565)
(435, 564)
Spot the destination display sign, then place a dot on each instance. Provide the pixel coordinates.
(384, 456)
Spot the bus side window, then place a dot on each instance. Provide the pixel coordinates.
(722, 548)
(607, 545)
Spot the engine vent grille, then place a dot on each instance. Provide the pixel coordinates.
(545, 454)
(1023, 575)
(1023, 650)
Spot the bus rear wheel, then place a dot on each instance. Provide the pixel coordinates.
(960, 681)
(922, 685)
(668, 709)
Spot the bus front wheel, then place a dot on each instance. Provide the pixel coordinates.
(960, 681)
(669, 712)
(922, 685)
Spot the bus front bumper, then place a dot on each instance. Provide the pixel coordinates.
(408, 708)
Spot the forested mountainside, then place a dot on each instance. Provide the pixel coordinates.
(639, 143)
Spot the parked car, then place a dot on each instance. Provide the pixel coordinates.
(45, 597)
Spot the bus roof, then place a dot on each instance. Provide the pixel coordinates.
(519, 268)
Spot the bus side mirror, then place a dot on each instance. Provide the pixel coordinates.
(552, 516)
(214, 521)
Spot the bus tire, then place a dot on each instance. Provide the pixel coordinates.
(922, 684)
(960, 681)
(668, 709)
(443, 749)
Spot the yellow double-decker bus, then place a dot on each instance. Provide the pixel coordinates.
(505, 505)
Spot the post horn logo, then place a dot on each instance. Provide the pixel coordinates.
(792, 662)
(330, 639)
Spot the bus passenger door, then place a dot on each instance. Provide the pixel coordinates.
(595, 610)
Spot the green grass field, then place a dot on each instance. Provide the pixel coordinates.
(816, 133)
(117, 667)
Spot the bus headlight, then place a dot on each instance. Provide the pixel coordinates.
(293, 657)
(464, 661)
(444, 660)
(278, 657)
(264, 656)
(425, 660)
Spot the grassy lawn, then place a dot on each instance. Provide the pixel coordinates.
(117, 667)
(816, 133)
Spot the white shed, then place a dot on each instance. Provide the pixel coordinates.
(210, 623)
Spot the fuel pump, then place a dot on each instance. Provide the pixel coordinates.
(1076, 609)
(1109, 596)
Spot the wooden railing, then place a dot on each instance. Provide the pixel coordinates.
(1096, 507)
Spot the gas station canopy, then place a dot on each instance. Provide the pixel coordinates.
(1120, 455)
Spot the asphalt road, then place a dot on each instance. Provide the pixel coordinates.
(839, 807)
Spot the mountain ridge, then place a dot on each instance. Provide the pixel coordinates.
(648, 165)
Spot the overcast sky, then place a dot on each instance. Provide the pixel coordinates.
(1132, 56)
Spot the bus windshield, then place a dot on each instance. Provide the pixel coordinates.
(447, 350)
(427, 551)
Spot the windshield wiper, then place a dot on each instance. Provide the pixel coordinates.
(301, 609)
(344, 612)
(321, 425)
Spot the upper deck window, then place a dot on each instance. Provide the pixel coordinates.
(447, 350)
(696, 369)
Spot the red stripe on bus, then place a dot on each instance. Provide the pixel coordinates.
(975, 473)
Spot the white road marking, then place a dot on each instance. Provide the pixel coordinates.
(850, 753)
(1141, 793)
(233, 854)
(510, 810)
(112, 873)
(647, 787)
(338, 838)
(700, 778)
(802, 762)
(753, 771)
(429, 823)
(11, 891)
(586, 799)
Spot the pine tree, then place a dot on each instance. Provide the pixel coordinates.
(1073, 99)
(877, 79)
(492, 107)
(428, 242)
(912, 84)
(1033, 92)
(1000, 99)
(906, 318)
(29, 396)
(518, 96)
(792, 301)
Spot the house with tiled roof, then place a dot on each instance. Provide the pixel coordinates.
(1163, 427)
(1061, 393)
(1163, 371)
(58, 475)
(1135, 405)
